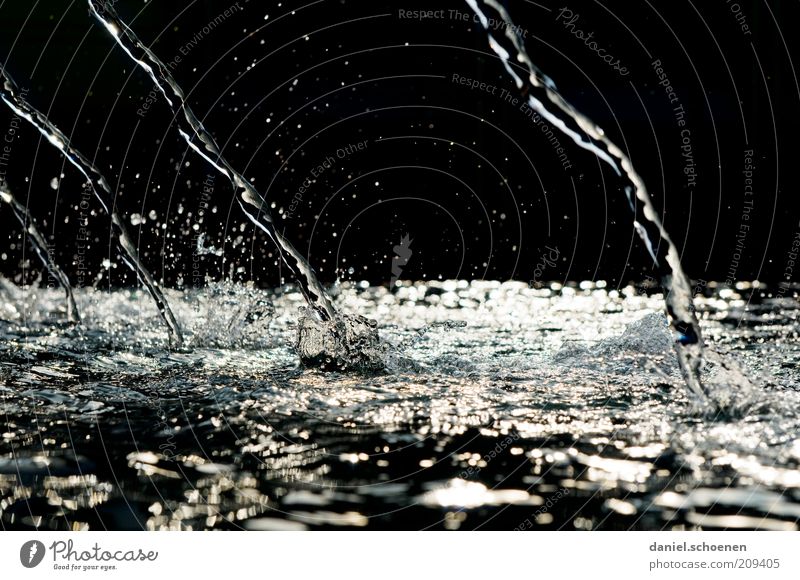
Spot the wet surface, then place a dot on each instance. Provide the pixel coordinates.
(500, 407)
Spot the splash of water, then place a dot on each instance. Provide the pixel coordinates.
(200, 140)
(40, 246)
(10, 94)
(542, 96)
(346, 343)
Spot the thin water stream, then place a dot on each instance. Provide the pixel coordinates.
(11, 96)
(40, 247)
(201, 141)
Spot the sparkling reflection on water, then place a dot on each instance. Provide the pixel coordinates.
(502, 407)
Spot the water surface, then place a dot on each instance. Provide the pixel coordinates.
(501, 407)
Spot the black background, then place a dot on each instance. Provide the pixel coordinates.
(471, 180)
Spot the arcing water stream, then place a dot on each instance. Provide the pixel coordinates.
(542, 95)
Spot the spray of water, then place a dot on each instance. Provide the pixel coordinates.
(40, 247)
(10, 94)
(541, 94)
(201, 141)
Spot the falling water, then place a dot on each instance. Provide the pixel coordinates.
(101, 189)
(543, 96)
(40, 246)
(199, 139)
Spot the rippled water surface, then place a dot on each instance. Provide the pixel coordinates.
(501, 407)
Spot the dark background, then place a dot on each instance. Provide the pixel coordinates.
(468, 178)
